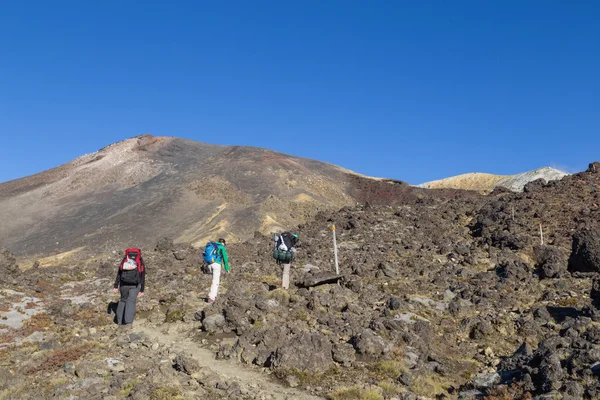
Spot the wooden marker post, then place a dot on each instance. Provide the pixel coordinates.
(541, 235)
(337, 268)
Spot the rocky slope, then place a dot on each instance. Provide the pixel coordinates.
(439, 297)
(140, 189)
(485, 183)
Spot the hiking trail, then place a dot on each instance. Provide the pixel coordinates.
(206, 359)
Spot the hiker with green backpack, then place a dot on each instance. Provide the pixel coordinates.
(284, 251)
(215, 255)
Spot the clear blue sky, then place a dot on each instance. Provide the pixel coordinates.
(412, 90)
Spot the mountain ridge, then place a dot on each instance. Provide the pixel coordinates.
(485, 182)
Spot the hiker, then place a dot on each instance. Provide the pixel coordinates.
(215, 255)
(285, 248)
(130, 281)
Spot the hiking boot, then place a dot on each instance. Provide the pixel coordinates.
(209, 300)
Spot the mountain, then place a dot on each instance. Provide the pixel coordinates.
(437, 298)
(485, 183)
(141, 189)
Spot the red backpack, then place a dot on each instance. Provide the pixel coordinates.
(131, 267)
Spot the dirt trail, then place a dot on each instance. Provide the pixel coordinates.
(206, 359)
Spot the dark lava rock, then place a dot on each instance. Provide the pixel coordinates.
(585, 253)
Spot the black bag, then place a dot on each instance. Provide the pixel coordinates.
(288, 239)
(130, 277)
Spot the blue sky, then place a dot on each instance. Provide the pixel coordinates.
(409, 90)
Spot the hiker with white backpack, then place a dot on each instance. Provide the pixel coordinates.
(130, 282)
(215, 255)
(284, 251)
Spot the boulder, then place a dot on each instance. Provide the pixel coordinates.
(585, 251)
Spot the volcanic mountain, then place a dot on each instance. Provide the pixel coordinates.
(485, 183)
(138, 190)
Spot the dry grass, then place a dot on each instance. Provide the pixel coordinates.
(388, 369)
(429, 385)
(271, 280)
(167, 393)
(389, 389)
(281, 295)
(91, 318)
(355, 393)
(58, 358)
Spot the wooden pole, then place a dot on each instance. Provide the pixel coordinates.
(337, 268)
(541, 235)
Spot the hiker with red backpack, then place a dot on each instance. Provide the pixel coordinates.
(215, 255)
(130, 282)
(284, 251)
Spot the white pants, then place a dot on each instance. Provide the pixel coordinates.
(216, 273)
(285, 280)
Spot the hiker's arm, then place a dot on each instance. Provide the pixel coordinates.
(143, 280)
(118, 280)
(225, 259)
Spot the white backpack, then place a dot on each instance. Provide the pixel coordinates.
(129, 265)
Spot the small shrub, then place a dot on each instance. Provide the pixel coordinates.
(128, 387)
(166, 393)
(389, 389)
(389, 369)
(175, 315)
(282, 296)
(258, 324)
(271, 280)
(428, 385)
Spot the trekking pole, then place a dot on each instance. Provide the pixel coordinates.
(541, 235)
(337, 269)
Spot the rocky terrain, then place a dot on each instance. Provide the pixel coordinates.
(441, 295)
(485, 183)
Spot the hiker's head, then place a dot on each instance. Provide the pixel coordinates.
(222, 241)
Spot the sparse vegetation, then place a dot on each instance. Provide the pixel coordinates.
(271, 280)
(429, 385)
(388, 369)
(355, 393)
(167, 393)
(281, 295)
(59, 357)
(128, 387)
(389, 389)
(173, 316)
